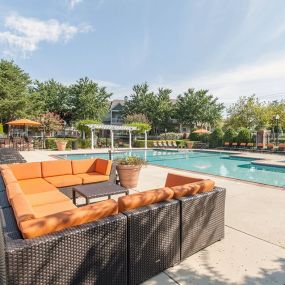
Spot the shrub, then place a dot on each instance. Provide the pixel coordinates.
(230, 135)
(141, 127)
(244, 135)
(171, 136)
(130, 160)
(194, 136)
(216, 138)
(1, 129)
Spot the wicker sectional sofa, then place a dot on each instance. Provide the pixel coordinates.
(123, 242)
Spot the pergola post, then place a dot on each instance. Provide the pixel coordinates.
(112, 139)
(130, 139)
(145, 139)
(92, 139)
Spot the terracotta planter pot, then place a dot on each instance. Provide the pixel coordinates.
(190, 145)
(61, 145)
(128, 175)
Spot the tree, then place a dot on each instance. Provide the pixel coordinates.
(230, 135)
(14, 84)
(51, 122)
(244, 135)
(55, 97)
(82, 127)
(157, 107)
(247, 112)
(91, 101)
(136, 118)
(216, 138)
(198, 108)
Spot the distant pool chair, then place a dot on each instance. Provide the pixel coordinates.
(281, 148)
(226, 145)
(159, 144)
(242, 145)
(174, 144)
(234, 145)
(169, 144)
(155, 144)
(270, 147)
(250, 145)
(260, 146)
(164, 144)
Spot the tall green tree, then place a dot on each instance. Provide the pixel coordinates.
(157, 107)
(91, 101)
(198, 108)
(248, 112)
(14, 83)
(56, 98)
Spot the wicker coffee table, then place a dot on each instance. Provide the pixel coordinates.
(90, 191)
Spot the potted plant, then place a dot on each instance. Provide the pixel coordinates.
(128, 169)
(61, 144)
(189, 144)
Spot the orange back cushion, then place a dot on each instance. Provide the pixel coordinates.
(103, 166)
(66, 219)
(144, 198)
(83, 166)
(193, 188)
(22, 209)
(8, 176)
(27, 170)
(56, 168)
(4, 166)
(13, 189)
(176, 180)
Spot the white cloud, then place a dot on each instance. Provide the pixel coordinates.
(24, 35)
(73, 3)
(265, 78)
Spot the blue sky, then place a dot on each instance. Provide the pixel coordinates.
(231, 47)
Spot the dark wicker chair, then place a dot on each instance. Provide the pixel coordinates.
(153, 240)
(202, 221)
(93, 253)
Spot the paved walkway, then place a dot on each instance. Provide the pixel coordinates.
(253, 251)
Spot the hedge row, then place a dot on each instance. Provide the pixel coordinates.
(180, 143)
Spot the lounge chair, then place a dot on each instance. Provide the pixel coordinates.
(155, 144)
(242, 145)
(174, 144)
(226, 145)
(250, 145)
(159, 144)
(281, 147)
(270, 147)
(164, 144)
(260, 146)
(234, 145)
(169, 144)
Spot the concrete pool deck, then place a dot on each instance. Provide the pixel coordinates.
(253, 251)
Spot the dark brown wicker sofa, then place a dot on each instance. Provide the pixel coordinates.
(154, 230)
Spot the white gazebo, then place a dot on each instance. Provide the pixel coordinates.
(113, 128)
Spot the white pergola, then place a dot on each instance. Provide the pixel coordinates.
(113, 128)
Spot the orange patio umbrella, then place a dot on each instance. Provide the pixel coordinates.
(23, 122)
(201, 131)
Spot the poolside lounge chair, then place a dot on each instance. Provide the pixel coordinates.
(260, 146)
(242, 145)
(234, 145)
(226, 145)
(164, 144)
(250, 145)
(174, 144)
(155, 144)
(270, 147)
(159, 144)
(169, 144)
(281, 147)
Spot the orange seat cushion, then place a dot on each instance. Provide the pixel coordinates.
(36, 185)
(13, 189)
(144, 198)
(70, 218)
(8, 176)
(176, 180)
(193, 188)
(22, 208)
(45, 198)
(50, 209)
(83, 166)
(4, 166)
(103, 166)
(56, 168)
(27, 170)
(64, 180)
(92, 177)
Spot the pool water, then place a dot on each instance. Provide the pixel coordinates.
(220, 164)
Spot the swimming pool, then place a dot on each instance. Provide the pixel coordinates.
(216, 163)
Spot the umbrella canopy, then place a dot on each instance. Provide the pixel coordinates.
(201, 131)
(23, 122)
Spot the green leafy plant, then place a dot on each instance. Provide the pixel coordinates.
(216, 138)
(230, 135)
(244, 135)
(141, 127)
(130, 160)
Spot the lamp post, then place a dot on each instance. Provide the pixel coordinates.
(277, 118)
